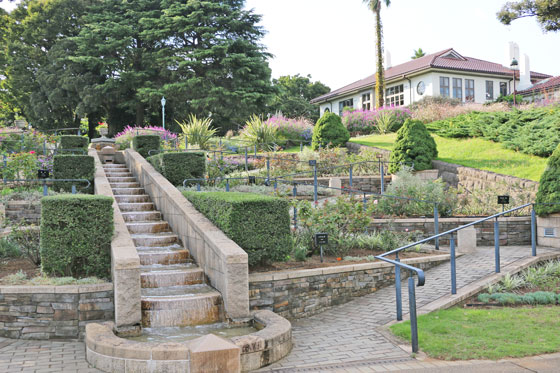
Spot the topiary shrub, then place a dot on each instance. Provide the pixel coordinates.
(144, 143)
(329, 130)
(72, 144)
(414, 144)
(259, 224)
(549, 186)
(73, 167)
(76, 232)
(177, 167)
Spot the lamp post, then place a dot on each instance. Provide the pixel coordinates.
(163, 111)
(514, 64)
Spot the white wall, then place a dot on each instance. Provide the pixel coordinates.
(479, 85)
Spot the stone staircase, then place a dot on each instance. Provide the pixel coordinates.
(174, 290)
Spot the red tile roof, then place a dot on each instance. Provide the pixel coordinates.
(543, 85)
(446, 59)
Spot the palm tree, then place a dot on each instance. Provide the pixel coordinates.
(418, 53)
(375, 7)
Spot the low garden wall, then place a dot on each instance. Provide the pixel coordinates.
(301, 293)
(51, 312)
(16, 211)
(513, 230)
(370, 184)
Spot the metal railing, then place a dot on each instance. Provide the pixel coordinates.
(45, 182)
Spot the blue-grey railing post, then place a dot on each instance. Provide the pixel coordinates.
(533, 232)
(221, 155)
(295, 208)
(412, 312)
(398, 290)
(198, 187)
(22, 141)
(315, 182)
(186, 142)
(365, 202)
(227, 185)
(255, 151)
(246, 161)
(268, 169)
(350, 169)
(220, 142)
(382, 179)
(79, 132)
(275, 184)
(45, 189)
(73, 189)
(453, 266)
(300, 146)
(497, 245)
(45, 148)
(436, 225)
(319, 146)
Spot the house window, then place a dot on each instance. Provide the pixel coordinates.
(489, 90)
(469, 90)
(503, 89)
(344, 104)
(458, 88)
(366, 101)
(444, 86)
(394, 96)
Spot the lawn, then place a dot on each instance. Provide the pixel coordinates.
(476, 153)
(462, 334)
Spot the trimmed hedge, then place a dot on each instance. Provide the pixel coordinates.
(178, 166)
(144, 143)
(73, 142)
(74, 167)
(76, 233)
(549, 186)
(329, 131)
(414, 144)
(259, 224)
(537, 297)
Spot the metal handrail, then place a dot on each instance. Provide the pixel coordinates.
(45, 181)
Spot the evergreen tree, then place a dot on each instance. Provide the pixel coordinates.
(546, 11)
(293, 94)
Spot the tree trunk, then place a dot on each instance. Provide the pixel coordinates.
(380, 73)
(139, 114)
(93, 119)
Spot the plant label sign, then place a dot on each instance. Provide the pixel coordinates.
(252, 179)
(313, 163)
(42, 174)
(321, 239)
(503, 200)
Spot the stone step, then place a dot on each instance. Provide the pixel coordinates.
(125, 185)
(164, 257)
(118, 173)
(148, 227)
(141, 216)
(175, 246)
(128, 191)
(138, 206)
(130, 179)
(173, 276)
(154, 239)
(114, 166)
(138, 198)
(201, 307)
(160, 268)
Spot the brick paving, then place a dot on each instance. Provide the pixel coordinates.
(344, 338)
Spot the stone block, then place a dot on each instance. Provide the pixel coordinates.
(334, 182)
(214, 354)
(466, 240)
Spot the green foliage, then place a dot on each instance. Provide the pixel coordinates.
(510, 299)
(8, 249)
(546, 11)
(20, 166)
(74, 167)
(329, 131)
(73, 142)
(293, 94)
(144, 143)
(198, 131)
(259, 224)
(27, 240)
(76, 233)
(413, 145)
(177, 167)
(549, 186)
(260, 133)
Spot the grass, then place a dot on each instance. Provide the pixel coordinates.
(462, 334)
(476, 153)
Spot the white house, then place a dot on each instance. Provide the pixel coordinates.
(445, 73)
(545, 90)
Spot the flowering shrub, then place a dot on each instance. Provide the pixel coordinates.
(21, 166)
(291, 131)
(124, 138)
(365, 122)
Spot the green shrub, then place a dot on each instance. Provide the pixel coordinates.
(549, 186)
(9, 249)
(76, 232)
(73, 167)
(414, 144)
(27, 240)
(177, 167)
(259, 224)
(198, 131)
(73, 142)
(144, 143)
(329, 131)
(260, 133)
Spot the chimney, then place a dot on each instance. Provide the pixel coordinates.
(524, 73)
(388, 64)
(511, 53)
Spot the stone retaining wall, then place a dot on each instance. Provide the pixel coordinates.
(513, 230)
(51, 312)
(302, 293)
(370, 184)
(17, 211)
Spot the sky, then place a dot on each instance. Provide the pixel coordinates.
(334, 40)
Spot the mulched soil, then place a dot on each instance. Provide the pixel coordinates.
(333, 261)
(13, 265)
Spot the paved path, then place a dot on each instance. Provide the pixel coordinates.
(342, 339)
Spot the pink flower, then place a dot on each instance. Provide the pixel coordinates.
(406, 230)
(375, 202)
(32, 152)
